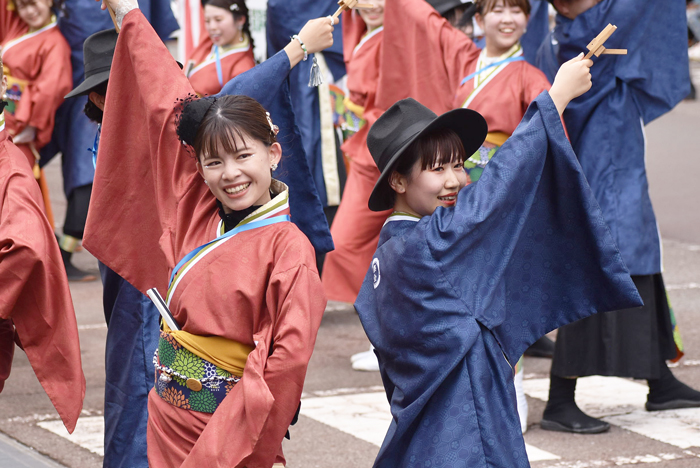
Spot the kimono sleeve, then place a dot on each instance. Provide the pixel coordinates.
(527, 245)
(143, 173)
(35, 294)
(11, 25)
(423, 53)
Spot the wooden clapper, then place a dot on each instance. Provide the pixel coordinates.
(348, 5)
(596, 46)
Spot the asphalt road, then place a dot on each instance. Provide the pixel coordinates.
(344, 414)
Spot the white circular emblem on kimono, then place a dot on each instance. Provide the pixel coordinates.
(376, 274)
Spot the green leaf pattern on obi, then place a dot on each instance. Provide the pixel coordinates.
(202, 401)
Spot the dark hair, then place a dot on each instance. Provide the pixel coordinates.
(58, 7)
(230, 118)
(238, 8)
(485, 6)
(435, 148)
(93, 112)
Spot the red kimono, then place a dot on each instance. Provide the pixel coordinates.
(36, 308)
(234, 61)
(38, 68)
(355, 228)
(150, 208)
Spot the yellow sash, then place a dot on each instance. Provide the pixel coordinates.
(228, 354)
(496, 138)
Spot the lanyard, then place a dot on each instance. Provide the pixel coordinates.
(497, 64)
(219, 73)
(232, 232)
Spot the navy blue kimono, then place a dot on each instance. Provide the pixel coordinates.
(606, 125)
(285, 18)
(453, 299)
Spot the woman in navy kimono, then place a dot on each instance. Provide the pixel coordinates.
(465, 278)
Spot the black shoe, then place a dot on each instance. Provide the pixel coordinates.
(569, 418)
(544, 347)
(73, 273)
(670, 393)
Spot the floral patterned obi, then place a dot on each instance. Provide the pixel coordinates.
(187, 381)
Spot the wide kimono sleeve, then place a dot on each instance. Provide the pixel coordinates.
(146, 189)
(527, 246)
(45, 92)
(423, 56)
(11, 25)
(34, 294)
(268, 394)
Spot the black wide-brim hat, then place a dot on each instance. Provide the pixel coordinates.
(98, 51)
(405, 122)
(443, 6)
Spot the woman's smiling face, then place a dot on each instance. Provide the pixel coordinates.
(241, 179)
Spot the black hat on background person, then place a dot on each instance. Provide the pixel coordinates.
(98, 51)
(402, 124)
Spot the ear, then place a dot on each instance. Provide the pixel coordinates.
(398, 182)
(199, 167)
(479, 20)
(275, 153)
(97, 99)
(241, 21)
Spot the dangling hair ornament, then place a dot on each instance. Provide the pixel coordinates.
(273, 128)
(315, 78)
(234, 7)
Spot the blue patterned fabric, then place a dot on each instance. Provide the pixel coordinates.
(284, 19)
(132, 337)
(524, 251)
(268, 84)
(606, 124)
(74, 133)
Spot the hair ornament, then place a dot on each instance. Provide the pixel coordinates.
(190, 112)
(273, 128)
(234, 7)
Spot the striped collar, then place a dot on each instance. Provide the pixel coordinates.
(52, 24)
(278, 204)
(2, 121)
(402, 216)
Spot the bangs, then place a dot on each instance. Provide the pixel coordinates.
(221, 135)
(485, 6)
(440, 147)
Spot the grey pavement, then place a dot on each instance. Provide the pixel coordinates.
(16, 455)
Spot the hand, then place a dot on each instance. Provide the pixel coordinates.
(26, 136)
(317, 34)
(572, 80)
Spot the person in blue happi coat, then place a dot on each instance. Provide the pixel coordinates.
(465, 278)
(606, 127)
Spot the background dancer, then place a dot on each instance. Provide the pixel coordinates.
(225, 51)
(37, 66)
(276, 310)
(447, 303)
(607, 133)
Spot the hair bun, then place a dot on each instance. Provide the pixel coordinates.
(192, 111)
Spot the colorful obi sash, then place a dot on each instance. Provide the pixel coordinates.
(351, 118)
(188, 381)
(476, 163)
(15, 88)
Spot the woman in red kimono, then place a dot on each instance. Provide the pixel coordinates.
(36, 309)
(244, 291)
(355, 228)
(227, 49)
(38, 70)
